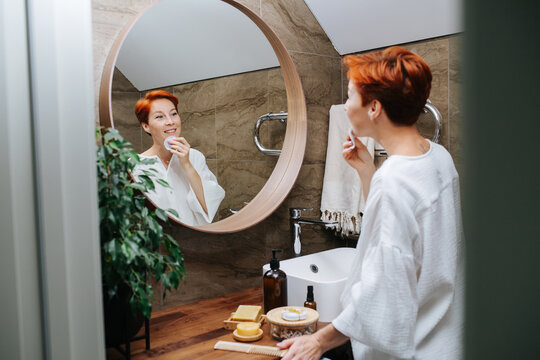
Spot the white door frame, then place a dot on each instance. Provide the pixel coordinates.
(49, 217)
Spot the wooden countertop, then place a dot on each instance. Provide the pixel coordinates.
(190, 331)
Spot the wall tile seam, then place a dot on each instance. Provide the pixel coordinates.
(310, 53)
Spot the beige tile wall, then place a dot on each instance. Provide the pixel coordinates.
(217, 264)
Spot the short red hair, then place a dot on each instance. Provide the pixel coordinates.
(398, 78)
(143, 105)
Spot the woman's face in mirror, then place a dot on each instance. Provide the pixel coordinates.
(163, 121)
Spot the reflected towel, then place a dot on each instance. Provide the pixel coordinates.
(342, 200)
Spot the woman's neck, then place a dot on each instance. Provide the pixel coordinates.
(163, 154)
(403, 140)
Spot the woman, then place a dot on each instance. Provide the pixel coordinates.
(403, 297)
(194, 192)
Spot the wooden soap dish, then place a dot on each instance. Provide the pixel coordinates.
(230, 324)
(255, 337)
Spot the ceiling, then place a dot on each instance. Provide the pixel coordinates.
(177, 42)
(358, 25)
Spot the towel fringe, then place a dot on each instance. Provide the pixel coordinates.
(347, 224)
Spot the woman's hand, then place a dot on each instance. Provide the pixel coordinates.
(180, 147)
(305, 347)
(311, 347)
(360, 159)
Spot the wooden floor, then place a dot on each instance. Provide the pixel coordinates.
(190, 331)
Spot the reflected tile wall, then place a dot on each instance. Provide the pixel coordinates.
(277, 102)
(197, 111)
(124, 96)
(240, 100)
(242, 180)
(221, 263)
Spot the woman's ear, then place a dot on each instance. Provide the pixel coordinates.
(145, 127)
(375, 109)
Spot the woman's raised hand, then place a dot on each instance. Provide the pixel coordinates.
(359, 157)
(180, 147)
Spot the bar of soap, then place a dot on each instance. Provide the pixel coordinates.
(247, 313)
(247, 328)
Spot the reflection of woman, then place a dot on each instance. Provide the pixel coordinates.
(403, 296)
(194, 191)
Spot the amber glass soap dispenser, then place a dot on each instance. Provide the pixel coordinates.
(310, 299)
(275, 285)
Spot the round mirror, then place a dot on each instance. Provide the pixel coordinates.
(229, 72)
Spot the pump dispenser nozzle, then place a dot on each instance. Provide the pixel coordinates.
(274, 262)
(310, 296)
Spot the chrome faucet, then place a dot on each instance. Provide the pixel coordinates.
(295, 228)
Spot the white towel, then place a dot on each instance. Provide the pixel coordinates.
(342, 200)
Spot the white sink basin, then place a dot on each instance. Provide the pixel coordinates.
(327, 271)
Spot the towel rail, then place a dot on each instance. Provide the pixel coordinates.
(429, 107)
(281, 117)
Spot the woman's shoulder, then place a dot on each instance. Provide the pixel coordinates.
(148, 153)
(415, 178)
(196, 154)
(436, 158)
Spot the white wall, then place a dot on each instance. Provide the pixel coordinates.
(359, 25)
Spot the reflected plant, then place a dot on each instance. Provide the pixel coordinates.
(131, 235)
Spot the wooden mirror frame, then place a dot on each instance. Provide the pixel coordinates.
(287, 168)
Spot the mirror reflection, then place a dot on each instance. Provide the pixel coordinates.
(191, 189)
(225, 75)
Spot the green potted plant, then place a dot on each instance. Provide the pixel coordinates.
(134, 248)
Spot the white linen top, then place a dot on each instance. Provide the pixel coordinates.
(403, 298)
(181, 196)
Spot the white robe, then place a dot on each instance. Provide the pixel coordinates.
(181, 196)
(403, 298)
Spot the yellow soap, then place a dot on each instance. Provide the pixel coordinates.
(247, 328)
(247, 313)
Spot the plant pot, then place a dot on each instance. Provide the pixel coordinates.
(121, 324)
